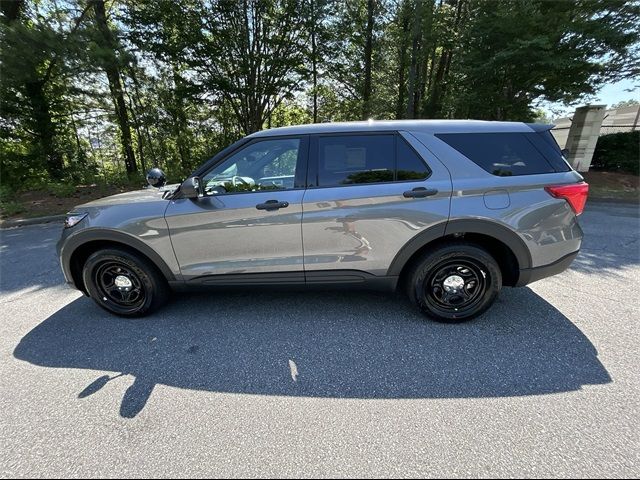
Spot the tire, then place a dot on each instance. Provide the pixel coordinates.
(124, 283)
(455, 282)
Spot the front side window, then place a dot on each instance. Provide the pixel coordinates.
(361, 159)
(263, 165)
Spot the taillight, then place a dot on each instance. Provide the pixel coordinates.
(575, 194)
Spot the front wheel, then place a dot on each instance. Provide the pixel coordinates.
(454, 282)
(124, 283)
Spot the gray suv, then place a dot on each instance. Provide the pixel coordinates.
(451, 211)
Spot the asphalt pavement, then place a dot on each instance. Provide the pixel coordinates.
(308, 384)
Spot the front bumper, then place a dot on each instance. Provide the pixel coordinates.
(66, 268)
(530, 275)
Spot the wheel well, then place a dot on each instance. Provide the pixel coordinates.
(80, 255)
(503, 255)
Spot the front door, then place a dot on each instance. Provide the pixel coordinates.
(248, 224)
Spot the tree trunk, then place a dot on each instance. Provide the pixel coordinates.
(428, 44)
(44, 127)
(115, 86)
(402, 63)
(138, 104)
(314, 62)
(368, 53)
(432, 64)
(434, 106)
(139, 139)
(413, 69)
(181, 121)
(11, 9)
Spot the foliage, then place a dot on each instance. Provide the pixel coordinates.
(10, 207)
(618, 152)
(61, 190)
(626, 103)
(98, 92)
(5, 193)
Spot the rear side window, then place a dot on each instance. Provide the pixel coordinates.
(506, 154)
(360, 159)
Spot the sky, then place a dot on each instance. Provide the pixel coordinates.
(608, 95)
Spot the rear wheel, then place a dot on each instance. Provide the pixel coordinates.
(455, 282)
(124, 283)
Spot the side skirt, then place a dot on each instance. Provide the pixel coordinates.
(323, 279)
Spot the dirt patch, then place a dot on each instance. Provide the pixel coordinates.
(41, 203)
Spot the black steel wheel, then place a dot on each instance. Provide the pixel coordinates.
(455, 282)
(124, 282)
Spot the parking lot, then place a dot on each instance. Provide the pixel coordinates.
(324, 383)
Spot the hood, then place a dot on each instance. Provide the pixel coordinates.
(146, 195)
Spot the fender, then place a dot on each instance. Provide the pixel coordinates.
(72, 243)
(484, 227)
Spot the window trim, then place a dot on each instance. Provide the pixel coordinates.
(554, 146)
(301, 164)
(313, 159)
(523, 134)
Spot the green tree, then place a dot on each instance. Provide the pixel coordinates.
(37, 60)
(626, 103)
(253, 54)
(107, 56)
(518, 51)
(353, 36)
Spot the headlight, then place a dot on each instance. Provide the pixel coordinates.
(73, 219)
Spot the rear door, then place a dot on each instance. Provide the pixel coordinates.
(368, 195)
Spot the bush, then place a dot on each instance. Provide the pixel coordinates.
(61, 190)
(6, 193)
(618, 152)
(10, 208)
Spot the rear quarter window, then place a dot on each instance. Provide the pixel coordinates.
(507, 154)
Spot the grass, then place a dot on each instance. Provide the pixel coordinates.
(613, 186)
(11, 208)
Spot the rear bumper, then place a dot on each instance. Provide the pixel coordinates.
(530, 275)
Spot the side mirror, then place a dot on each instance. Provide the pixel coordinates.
(565, 152)
(156, 178)
(190, 188)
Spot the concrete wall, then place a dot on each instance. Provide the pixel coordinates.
(583, 135)
(623, 119)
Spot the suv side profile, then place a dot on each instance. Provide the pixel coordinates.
(451, 211)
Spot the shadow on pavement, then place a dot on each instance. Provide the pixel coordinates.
(342, 345)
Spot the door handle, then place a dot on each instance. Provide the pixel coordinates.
(271, 205)
(420, 192)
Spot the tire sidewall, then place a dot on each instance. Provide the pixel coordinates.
(143, 272)
(493, 284)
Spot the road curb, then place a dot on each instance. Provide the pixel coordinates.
(21, 222)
